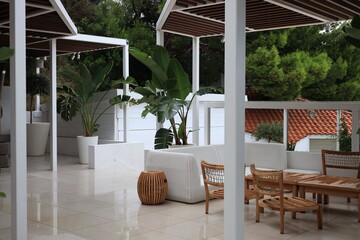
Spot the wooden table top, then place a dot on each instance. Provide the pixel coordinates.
(333, 182)
(291, 177)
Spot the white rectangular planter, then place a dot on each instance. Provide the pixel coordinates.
(128, 155)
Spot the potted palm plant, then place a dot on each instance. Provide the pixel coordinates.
(79, 99)
(37, 132)
(165, 95)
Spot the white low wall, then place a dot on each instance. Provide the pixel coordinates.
(312, 161)
(112, 154)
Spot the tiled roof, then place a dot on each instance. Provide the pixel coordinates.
(300, 122)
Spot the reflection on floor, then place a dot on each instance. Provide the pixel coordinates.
(78, 203)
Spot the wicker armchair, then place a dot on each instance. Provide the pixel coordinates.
(341, 160)
(212, 175)
(270, 183)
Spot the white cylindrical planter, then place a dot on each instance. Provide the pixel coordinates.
(83, 145)
(37, 136)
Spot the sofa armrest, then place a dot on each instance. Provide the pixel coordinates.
(182, 175)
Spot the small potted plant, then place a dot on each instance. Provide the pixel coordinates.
(37, 132)
(166, 95)
(79, 99)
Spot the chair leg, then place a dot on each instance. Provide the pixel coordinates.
(319, 217)
(207, 205)
(257, 211)
(348, 199)
(326, 199)
(282, 224)
(293, 215)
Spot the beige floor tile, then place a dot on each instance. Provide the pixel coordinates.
(87, 206)
(155, 236)
(192, 230)
(111, 231)
(76, 222)
(155, 221)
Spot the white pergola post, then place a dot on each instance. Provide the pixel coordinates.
(53, 113)
(159, 41)
(195, 88)
(126, 88)
(355, 127)
(286, 127)
(18, 121)
(338, 121)
(235, 12)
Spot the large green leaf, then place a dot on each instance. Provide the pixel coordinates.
(6, 53)
(145, 59)
(168, 108)
(353, 41)
(2, 195)
(163, 138)
(161, 57)
(100, 74)
(178, 84)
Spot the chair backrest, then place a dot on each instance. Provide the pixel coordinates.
(268, 182)
(343, 160)
(213, 174)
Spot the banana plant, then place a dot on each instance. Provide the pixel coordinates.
(80, 99)
(165, 95)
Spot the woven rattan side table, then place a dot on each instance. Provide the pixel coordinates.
(152, 187)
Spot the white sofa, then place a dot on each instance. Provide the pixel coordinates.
(183, 171)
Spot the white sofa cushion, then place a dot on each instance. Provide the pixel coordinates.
(182, 173)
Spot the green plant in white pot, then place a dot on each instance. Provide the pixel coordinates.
(80, 100)
(166, 95)
(37, 132)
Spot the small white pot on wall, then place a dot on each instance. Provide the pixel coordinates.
(37, 135)
(83, 145)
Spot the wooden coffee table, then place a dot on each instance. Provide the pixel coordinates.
(290, 180)
(332, 185)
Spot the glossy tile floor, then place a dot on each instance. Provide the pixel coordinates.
(77, 203)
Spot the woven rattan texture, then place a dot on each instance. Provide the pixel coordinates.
(152, 187)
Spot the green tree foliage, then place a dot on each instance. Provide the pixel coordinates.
(272, 131)
(264, 74)
(344, 137)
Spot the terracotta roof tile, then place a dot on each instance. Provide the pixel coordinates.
(300, 122)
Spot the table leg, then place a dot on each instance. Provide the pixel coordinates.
(359, 208)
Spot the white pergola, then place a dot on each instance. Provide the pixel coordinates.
(206, 18)
(40, 28)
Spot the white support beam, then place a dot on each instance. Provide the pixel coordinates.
(195, 88)
(338, 122)
(235, 12)
(126, 89)
(159, 37)
(354, 135)
(286, 128)
(18, 121)
(53, 113)
(159, 41)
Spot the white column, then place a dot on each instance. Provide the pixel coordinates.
(285, 128)
(53, 113)
(159, 38)
(354, 135)
(195, 88)
(18, 121)
(235, 13)
(126, 89)
(207, 124)
(338, 121)
(159, 41)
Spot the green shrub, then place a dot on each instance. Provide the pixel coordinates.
(270, 131)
